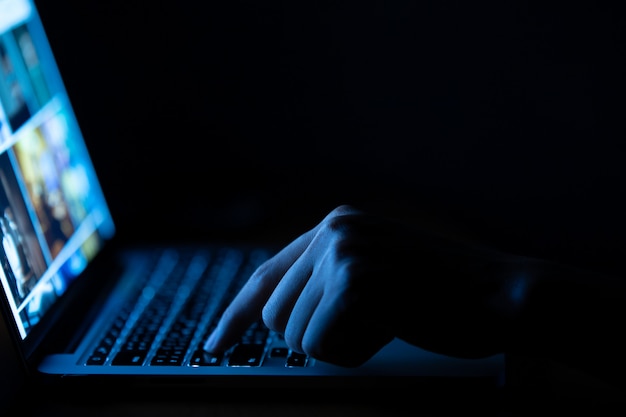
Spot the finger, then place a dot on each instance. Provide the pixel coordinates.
(301, 314)
(246, 307)
(278, 308)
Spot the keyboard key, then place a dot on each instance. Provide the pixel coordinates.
(96, 359)
(247, 354)
(279, 352)
(174, 306)
(162, 360)
(202, 358)
(130, 358)
(296, 360)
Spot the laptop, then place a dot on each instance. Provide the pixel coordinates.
(78, 306)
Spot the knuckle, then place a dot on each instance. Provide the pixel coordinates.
(343, 209)
(260, 272)
(340, 225)
(261, 278)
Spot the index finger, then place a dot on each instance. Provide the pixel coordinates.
(248, 304)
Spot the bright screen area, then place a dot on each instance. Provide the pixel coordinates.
(53, 217)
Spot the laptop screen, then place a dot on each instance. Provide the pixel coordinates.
(53, 217)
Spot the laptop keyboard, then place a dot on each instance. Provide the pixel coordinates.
(175, 306)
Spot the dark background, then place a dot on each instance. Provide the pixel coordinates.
(250, 119)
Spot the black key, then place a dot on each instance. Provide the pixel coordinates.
(96, 359)
(130, 357)
(167, 360)
(100, 353)
(296, 359)
(247, 354)
(202, 358)
(279, 352)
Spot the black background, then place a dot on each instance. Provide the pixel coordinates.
(254, 118)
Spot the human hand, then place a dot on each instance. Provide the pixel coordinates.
(347, 287)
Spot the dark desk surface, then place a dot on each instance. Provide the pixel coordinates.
(276, 404)
(307, 406)
(534, 386)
